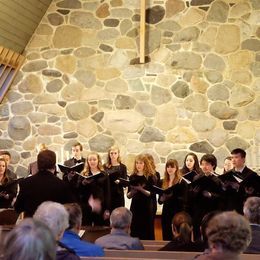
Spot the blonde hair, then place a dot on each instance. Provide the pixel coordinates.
(148, 170)
(112, 148)
(177, 177)
(86, 169)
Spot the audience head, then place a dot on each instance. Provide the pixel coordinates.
(7, 156)
(30, 240)
(228, 164)
(76, 150)
(121, 218)
(171, 170)
(252, 210)
(143, 165)
(208, 163)
(204, 223)
(191, 163)
(46, 160)
(55, 216)
(238, 158)
(75, 215)
(228, 232)
(182, 226)
(113, 156)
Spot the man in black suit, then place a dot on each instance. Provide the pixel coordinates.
(252, 213)
(245, 188)
(44, 186)
(71, 178)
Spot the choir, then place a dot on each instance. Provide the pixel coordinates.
(195, 188)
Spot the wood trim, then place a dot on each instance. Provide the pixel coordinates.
(142, 31)
(10, 63)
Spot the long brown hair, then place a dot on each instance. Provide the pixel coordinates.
(5, 178)
(148, 170)
(86, 169)
(178, 175)
(112, 148)
(196, 166)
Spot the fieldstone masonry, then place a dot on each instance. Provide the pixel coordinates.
(199, 90)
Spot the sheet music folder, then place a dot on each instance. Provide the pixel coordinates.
(75, 168)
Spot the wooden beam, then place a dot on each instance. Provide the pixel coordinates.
(142, 31)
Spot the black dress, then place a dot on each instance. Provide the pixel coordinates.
(142, 225)
(175, 203)
(99, 188)
(10, 188)
(116, 190)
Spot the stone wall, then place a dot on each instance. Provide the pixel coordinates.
(199, 90)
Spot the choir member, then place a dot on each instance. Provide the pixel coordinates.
(175, 199)
(7, 156)
(140, 191)
(115, 170)
(190, 167)
(158, 181)
(71, 177)
(94, 192)
(33, 167)
(191, 163)
(250, 185)
(206, 191)
(8, 188)
(227, 164)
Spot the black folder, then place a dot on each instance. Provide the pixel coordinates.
(230, 177)
(89, 177)
(188, 177)
(75, 168)
(161, 191)
(127, 183)
(205, 183)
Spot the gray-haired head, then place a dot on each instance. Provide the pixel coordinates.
(229, 232)
(30, 240)
(252, 210)
(54, 215)
(121, 218)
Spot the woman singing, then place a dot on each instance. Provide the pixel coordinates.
(175, 200)
(140, 190)
(115, 170)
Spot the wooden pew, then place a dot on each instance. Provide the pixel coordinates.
(153, 245)
(155, 255)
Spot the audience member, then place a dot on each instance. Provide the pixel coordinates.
(30, 240)
(228, 234)
(43, 186)
(252, 213)
(182, 234)
(7, 156)
(119, 238)
(71, 238)
(56, 217)
(33, 167)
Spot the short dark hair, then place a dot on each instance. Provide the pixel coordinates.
(75, 214)
(5, 153)
(209, 158)
(46, 159)
(78, 144)
(239, 151)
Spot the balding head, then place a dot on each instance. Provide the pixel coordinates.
(121, 218)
